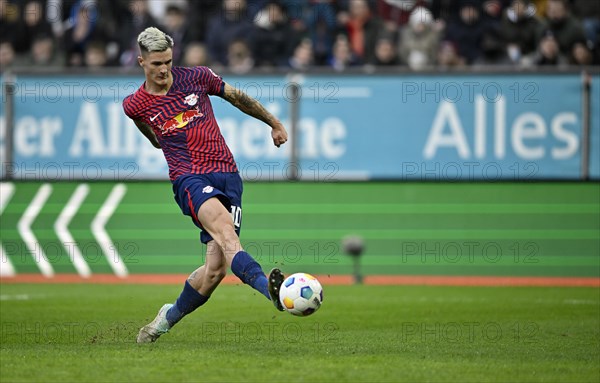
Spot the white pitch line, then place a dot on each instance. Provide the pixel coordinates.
(6, 267)
(17, 297)
(30, 240)
(99, 232)
(6, 192)
(63, 233)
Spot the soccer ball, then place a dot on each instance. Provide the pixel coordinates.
(301, 294)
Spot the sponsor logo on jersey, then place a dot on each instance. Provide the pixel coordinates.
(181, 120)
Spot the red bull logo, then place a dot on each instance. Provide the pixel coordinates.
(181, 120)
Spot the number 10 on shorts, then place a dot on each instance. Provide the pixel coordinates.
(236, 215)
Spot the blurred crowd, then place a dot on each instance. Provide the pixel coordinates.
(245, 35)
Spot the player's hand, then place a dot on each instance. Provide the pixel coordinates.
(279, 135)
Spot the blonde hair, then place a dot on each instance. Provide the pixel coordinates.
(154, 40)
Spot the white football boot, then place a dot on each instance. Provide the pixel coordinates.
(153, 330)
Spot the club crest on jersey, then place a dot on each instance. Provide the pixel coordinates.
(181, 120)
(191, 99)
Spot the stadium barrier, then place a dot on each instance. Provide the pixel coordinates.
(409, 126)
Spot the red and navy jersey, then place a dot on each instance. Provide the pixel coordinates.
(184, 123)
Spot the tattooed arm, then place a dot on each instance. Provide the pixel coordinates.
(253, 108)
(148, 132)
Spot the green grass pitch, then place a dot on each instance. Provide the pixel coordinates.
(86, 333)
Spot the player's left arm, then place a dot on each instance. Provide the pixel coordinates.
(253, 108)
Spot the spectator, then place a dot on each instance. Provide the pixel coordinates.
(239, 57)
(492, 11)
(200, 13)
(109, 28)
(195, 54)
(227, 26)
(363, 29)
(137, 18)
(448, 56)
(176, 25)
(9, 22)
(564, 27)
(419, 40)
(255, 6)
(581, 55)
(54, 16)
(494, 51)
(493, 47)
(160, 8)
(443, 10)
(95, 55)
(75, 59)
(589, 13)
(467, 30)
(548, 53)
(540, 6)
(7, 55)
(385, 52)
(273, 37)
(396, 13)
(84, 28)
(77, 36)
(43, 53)
(519, 29)
(33, 23)
(303, 58)
(317, 19)
(342, 56)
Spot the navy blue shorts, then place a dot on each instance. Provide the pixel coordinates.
(192, 190)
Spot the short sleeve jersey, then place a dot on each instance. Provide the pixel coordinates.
(184, 122)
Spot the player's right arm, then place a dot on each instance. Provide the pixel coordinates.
(148, 132)
(132, 111)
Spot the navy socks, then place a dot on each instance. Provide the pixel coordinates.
(243, 266)
(188, 301)
(250, 272)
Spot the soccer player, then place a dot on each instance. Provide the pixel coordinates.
(172, 109)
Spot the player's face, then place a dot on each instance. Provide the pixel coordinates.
(157, 66)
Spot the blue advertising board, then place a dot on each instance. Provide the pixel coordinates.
(450, 127)
(70, 127)
(454, 127)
